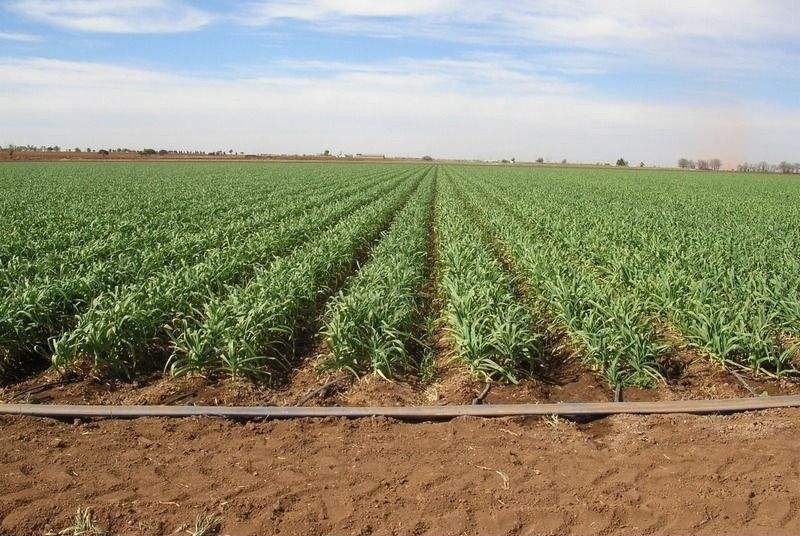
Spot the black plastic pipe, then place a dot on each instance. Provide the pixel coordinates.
(408, 413)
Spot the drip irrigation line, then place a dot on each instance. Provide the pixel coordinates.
(37, 389)
(414, 413)
(743, 382)
(323, 389)
(482, 396)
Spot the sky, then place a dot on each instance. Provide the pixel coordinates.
(584, 80)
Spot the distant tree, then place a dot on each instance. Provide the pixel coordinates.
(563, 160)
(148, 152)
(77, 149)
(427, 158)
(326, 152)
(703, 165)
(540, 160)
(163, 152)
(715, 164)
(103, 152)
(683, 163)
(513, 160)
(622, 162)
(641, 164)
(88, 149)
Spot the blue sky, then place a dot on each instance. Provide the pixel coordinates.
(586, 80)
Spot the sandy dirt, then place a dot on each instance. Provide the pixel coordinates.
(453, 384)
(671, 475)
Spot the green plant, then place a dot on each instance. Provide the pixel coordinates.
(374, 324)
(82, 525)
(206, 525)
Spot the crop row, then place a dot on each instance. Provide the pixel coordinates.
(253, 330)
(121, 325)
(627, 269)
(73, 208)
(608, 328)
(38, 306)
(127, 268)
(73, 252)
(109, 294)
(375, 323)
(490, 330)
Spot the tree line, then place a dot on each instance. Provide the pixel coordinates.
(746, 167)
(714, 164)
(764, 167)
(55, 148)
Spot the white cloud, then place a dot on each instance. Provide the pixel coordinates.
(318, 10)
(496, 73)
(696, 34)
(20, 37)
(606, 22)
(115, 16)
(396, 109)
(43, 73)
(578, 37)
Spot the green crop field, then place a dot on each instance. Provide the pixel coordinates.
(240, 269)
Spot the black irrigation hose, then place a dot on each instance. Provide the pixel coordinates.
(321, 390)
(482, 396)
(37, 388)
(743, 382)
(416, 413)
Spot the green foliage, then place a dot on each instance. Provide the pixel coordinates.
(371, 325)
(253, 329)
(113, 256)
(227, 267)
(491, 331)
(612, 258)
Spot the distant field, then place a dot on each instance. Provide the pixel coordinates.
(245, 269)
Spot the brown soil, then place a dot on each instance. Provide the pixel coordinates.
(48, 389)
(453, 385)
(564, 379)
(671, 475)
(702, 378)
(134, 156)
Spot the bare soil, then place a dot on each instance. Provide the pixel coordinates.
(566, 381)
(135, 156)
(670, 475)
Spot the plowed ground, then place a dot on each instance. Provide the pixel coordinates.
(671, 475)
